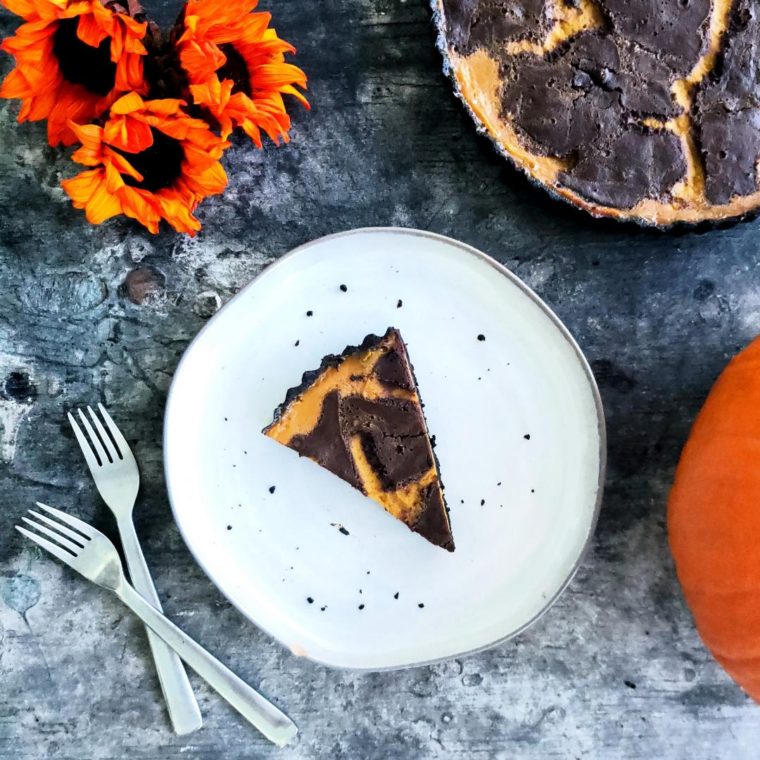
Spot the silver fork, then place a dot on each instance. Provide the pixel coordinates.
(90, 553)
(117, 478)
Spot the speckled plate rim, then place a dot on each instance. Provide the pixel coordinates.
(515, 280)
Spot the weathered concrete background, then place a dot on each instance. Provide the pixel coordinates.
(615, 670)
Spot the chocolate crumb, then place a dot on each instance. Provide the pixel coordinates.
(272, 489)
(309, 600)
(481, 337)
(399, 304)
(344, 288)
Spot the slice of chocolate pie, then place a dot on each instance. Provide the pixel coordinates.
(360, 417)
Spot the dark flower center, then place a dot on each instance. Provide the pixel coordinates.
(81, 63)
(160, 165)
(236, 69)
(163, 71)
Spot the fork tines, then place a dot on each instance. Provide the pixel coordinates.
(68, 542)
(104, 443)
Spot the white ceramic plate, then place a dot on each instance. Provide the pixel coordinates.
(522, 509)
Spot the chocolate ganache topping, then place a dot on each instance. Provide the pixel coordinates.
(645, 109)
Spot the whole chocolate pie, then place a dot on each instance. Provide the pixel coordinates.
(634, 109)
(360, 417)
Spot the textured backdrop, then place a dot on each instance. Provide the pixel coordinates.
(614, 670)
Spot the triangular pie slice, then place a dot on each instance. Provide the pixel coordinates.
(360, 417)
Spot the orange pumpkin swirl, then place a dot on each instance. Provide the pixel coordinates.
(714, 520)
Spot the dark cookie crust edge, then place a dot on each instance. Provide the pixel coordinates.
(331, 360)
(449, 546)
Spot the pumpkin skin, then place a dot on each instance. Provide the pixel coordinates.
(714, 520)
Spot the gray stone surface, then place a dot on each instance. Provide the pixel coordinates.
(615, 670)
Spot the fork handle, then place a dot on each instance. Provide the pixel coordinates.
(180, 701)
(272, 722)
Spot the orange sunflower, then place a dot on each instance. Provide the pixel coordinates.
(151, 161)
(236, 67)
(73, 59)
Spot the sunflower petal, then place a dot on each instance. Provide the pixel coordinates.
(102, 205)
(141, 206)
(164, 106)
(81, 188)
(89, 31)
(121, 163)
(129, 134)
(179, 214)
(127, 104)
(211, 181)
(23, 8)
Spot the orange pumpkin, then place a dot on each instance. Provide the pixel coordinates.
(714, 520)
